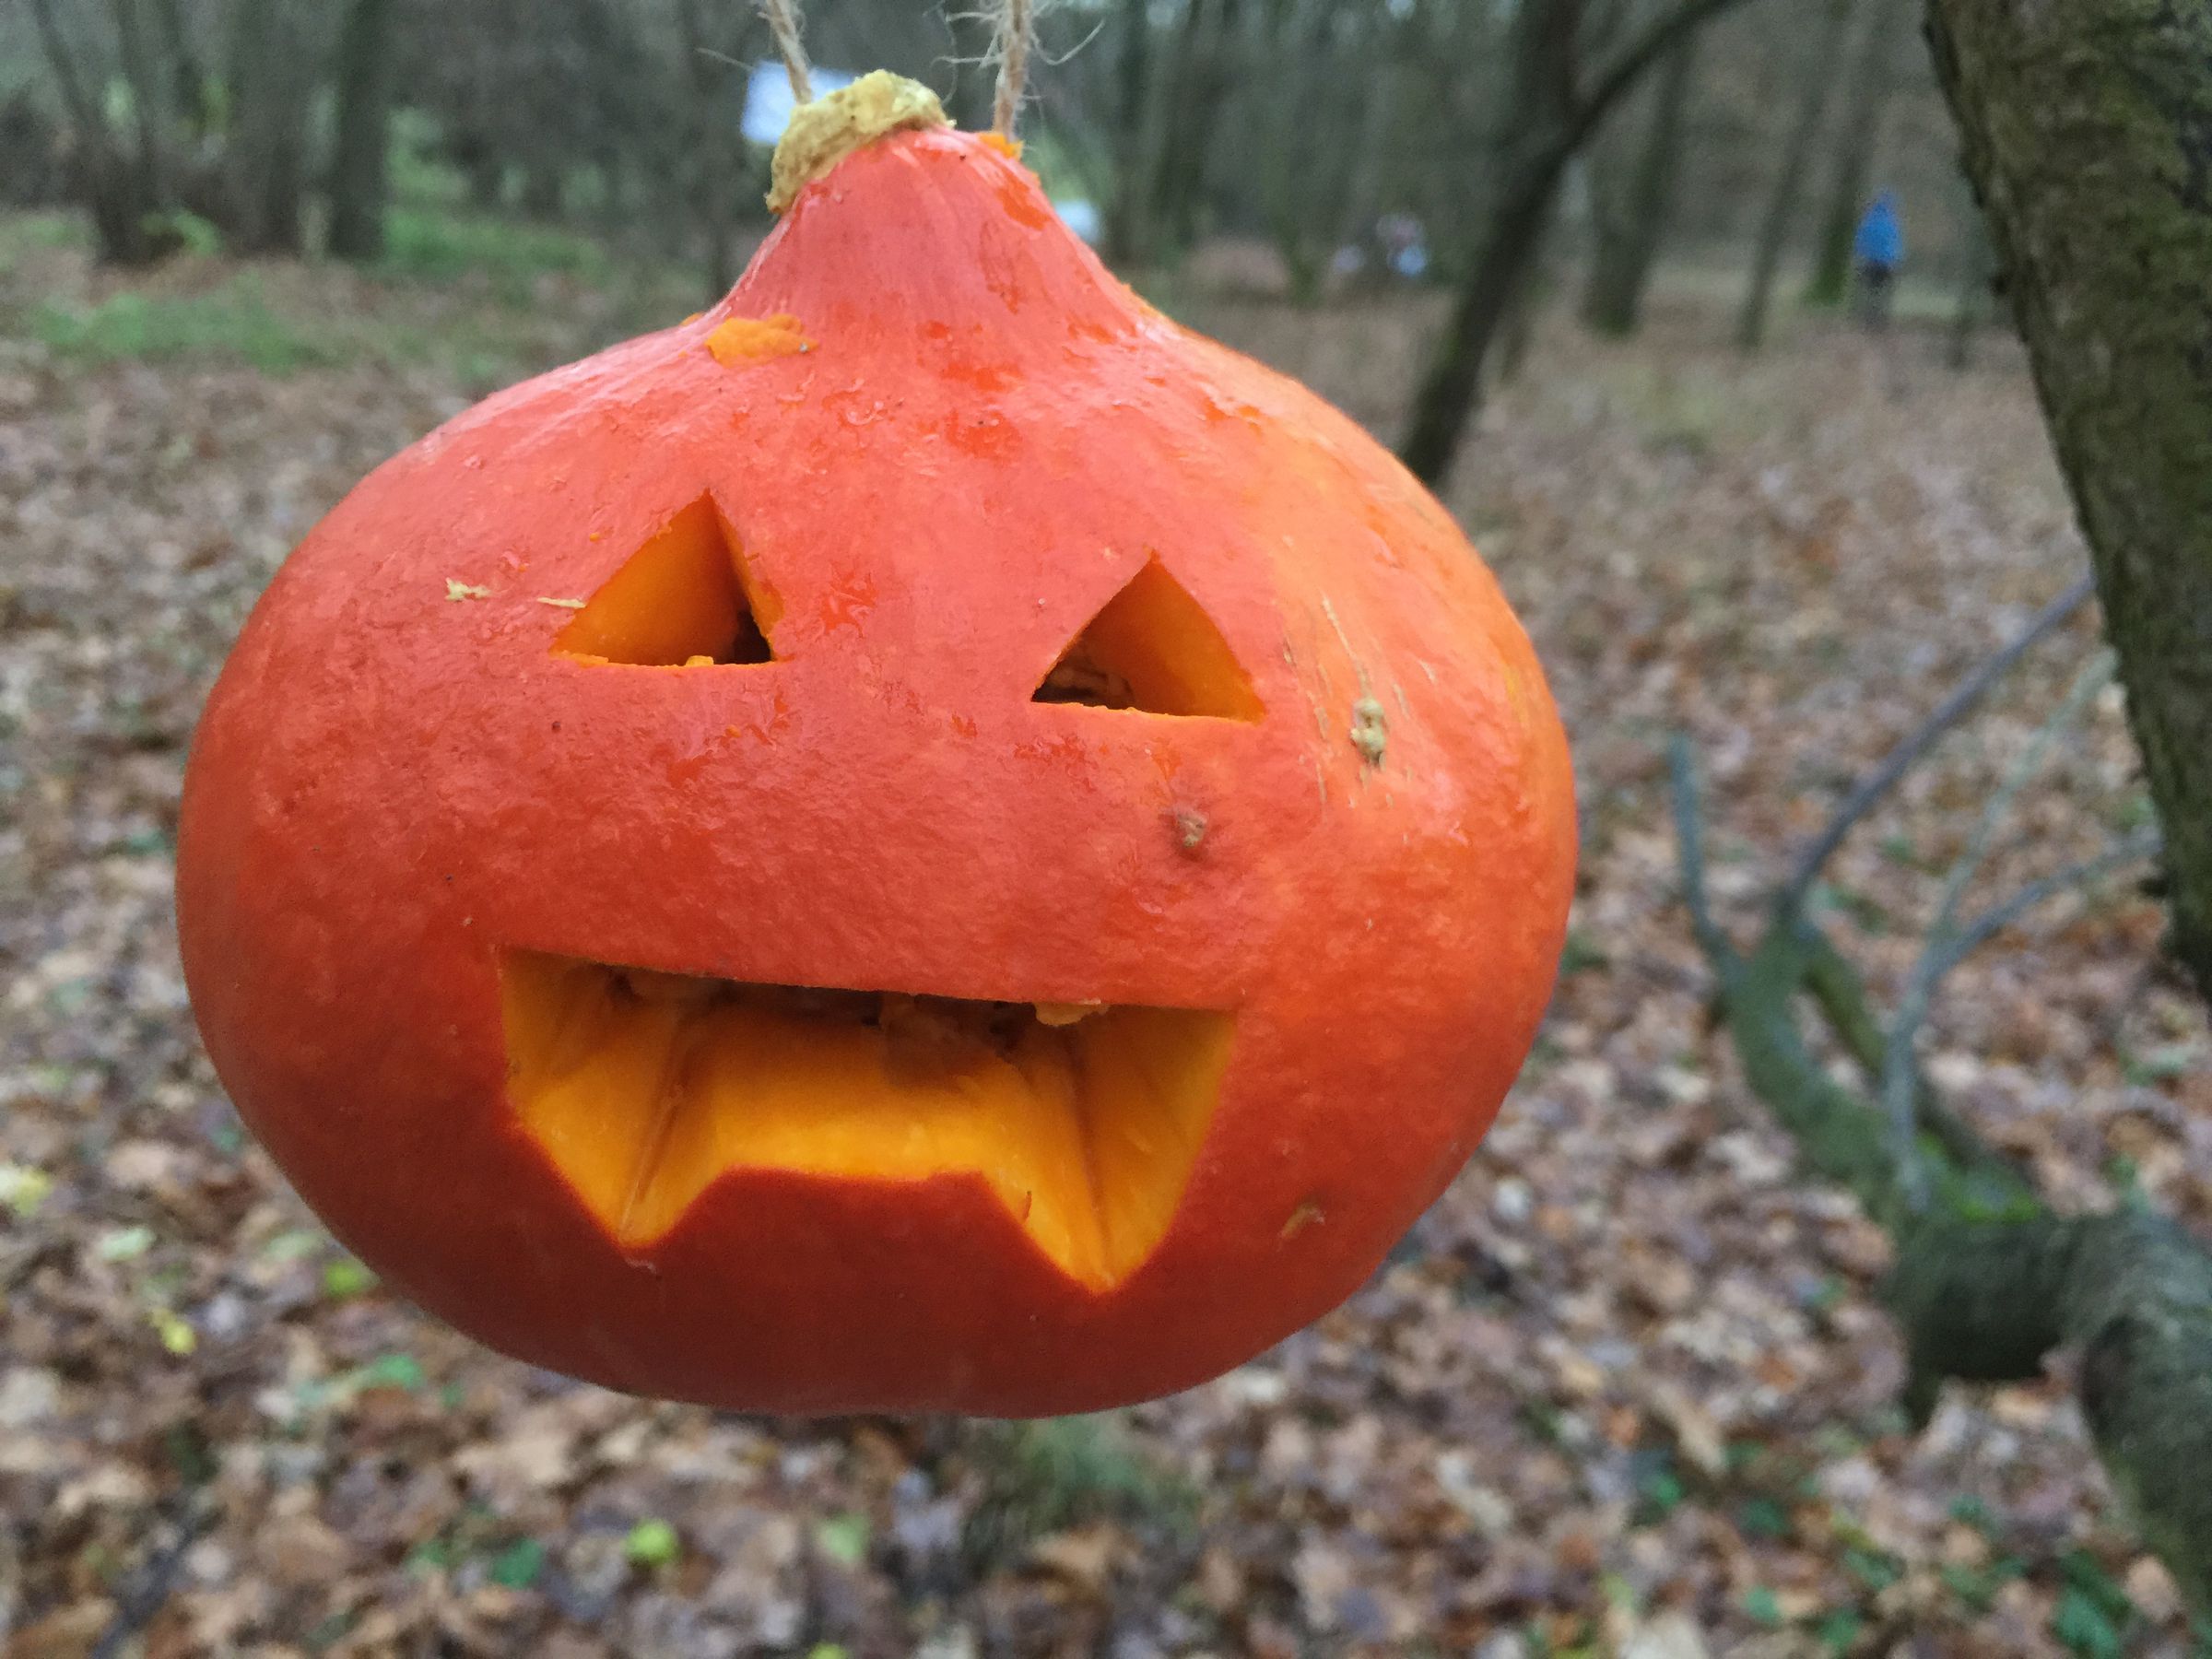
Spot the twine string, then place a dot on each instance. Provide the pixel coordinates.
(783, 23)
(1017, 37)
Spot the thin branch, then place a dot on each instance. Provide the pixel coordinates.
(1872, 789)
(2143, 844)
(1682, 773)
(1836, 989)
(155, 1581)
(1620, 76)
(1920, 988)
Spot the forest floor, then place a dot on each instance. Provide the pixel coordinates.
(1625, 1390)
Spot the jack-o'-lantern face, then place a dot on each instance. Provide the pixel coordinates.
(925, 839)
(645, 1086)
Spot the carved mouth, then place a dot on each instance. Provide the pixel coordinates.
(643, 1087)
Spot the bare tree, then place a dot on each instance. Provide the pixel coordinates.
(1631, 223)
(1818, 80)
(264, 155)
(98, 161)
(1125, 219)
(1874, 69)
(1198, 81)
(1554, 106)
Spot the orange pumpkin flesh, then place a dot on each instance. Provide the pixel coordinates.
(1083, 1123)
(926, 839)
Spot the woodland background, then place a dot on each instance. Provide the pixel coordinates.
(1630, 1388)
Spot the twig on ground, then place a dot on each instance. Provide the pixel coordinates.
(1898, 1071)
(1682, 773)
(1872, 789)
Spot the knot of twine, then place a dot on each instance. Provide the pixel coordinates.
(1014, 41)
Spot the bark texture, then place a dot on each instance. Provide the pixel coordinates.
(2089, 136)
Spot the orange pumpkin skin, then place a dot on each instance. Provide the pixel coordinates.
(983, 439)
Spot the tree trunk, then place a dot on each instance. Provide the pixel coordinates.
(1873, 75)
(359, 186)
(1310, 146)
(715, 132)
(187, 79)
(114, 187)
(1789, 183)
(265, 148)
(1529, 160)
(2089, 135)
(1382, 120)
(1126, 231)
(1202, 78)
(1547, 123)
(1629, 238)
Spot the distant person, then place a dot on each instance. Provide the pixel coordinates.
(1878, 252)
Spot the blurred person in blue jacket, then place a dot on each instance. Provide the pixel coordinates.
(1879, 253)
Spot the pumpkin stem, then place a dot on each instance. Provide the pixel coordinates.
(825, 132)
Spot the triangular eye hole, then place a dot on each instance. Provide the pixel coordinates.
(682, 600)
(1152, 650)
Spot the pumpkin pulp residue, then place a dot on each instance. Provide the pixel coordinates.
(737, 340)
(643, 1087)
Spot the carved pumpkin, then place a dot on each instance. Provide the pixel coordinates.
(927, 840)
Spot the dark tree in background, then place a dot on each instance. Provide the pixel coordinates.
(1199, 76)
(1125, 215)
(265, 159)
(119, 168)
(1630, 225)
(1815, 83)
(1889, 31)
(1554, 106)
(357, 167)
(715, 66)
